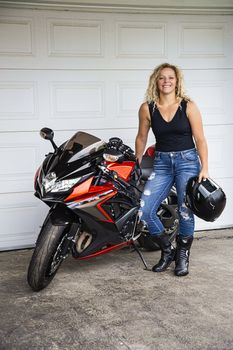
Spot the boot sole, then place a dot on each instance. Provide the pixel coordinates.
(181, 274)
(162, 270)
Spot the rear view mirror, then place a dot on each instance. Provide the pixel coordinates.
(47, 134)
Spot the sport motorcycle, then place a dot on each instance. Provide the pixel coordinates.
(93, 190)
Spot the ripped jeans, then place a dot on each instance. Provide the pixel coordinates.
(169, 168)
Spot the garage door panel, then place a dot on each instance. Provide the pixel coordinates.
(220, 143)
(146, 33)
(17, 35)
(85, 37)
(211, 99)
(129, 96)
(21, 215)
(202, 40)
(19, 157)
(77, 100)
(210, 90)
(18, 100)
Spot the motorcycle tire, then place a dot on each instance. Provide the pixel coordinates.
(47, 257)
(169, 217)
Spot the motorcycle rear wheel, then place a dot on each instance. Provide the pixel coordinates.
(170, 220)
(47, 256)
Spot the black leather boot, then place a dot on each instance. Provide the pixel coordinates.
(182, 255)
(167, 252)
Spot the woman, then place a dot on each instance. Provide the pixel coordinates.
(176, 123)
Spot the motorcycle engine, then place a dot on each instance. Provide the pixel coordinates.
(128, 229)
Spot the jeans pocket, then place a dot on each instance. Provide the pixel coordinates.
(190, 156)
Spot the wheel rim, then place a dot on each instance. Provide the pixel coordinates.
(57, 258)
(168, 216)
(171, 231)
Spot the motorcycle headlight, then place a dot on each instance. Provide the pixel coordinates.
(64, 185)
(51, 185)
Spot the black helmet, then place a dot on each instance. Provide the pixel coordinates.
(206, 199)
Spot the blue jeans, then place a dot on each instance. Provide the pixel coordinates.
(169, 168)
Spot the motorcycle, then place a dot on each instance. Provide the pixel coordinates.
(93, 190)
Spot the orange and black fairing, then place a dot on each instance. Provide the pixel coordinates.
(124, 169)
(100, 200)
(90, 198)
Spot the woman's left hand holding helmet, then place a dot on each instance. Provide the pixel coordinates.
(203, 175)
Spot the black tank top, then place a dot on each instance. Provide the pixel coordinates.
(173, 136)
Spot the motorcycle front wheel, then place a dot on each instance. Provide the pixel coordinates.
(47, 256)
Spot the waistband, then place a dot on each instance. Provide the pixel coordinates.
(175, 153)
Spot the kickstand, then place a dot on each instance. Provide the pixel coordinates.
(141, 257)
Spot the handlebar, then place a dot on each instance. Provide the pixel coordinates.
(117, 144)
(114, 176)
(118, 180)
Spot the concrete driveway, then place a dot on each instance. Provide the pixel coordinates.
(111, 303)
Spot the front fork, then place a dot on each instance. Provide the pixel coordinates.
(61, 216)
(70, 238)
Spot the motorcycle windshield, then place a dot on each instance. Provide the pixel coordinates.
(80, 145)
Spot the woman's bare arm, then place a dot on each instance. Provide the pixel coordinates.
(143, 130)
(195, 119)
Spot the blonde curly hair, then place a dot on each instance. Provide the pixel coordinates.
(152, 92)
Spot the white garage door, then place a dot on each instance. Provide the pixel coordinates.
(88, 71)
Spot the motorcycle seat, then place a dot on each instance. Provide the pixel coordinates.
(146, 166)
